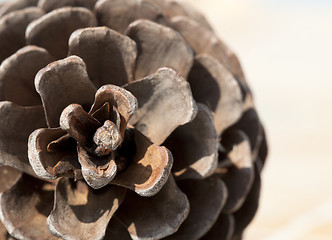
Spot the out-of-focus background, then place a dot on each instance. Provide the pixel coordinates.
(285, 47)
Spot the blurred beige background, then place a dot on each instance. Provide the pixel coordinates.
(285, 48)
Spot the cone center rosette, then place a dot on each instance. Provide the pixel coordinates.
(88, 144)
(98, 138)
(106, 139)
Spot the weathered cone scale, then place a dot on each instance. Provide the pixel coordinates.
(123, 119)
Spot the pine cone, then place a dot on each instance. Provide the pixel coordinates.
(123, 119)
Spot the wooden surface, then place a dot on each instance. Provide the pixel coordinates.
(285, 48)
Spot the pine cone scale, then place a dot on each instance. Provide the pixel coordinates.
(17, 20)
(33, 211)
(86, 218)
(196, 144)
(101, 48)
(49, 81)
(221, 92)
(30, 60)
(162, 92)
(149, 168)
(164, 212)
(162, 44)
(240, 173)
(53, 30)
(14, 130)
(118, 14)
(207, 198)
